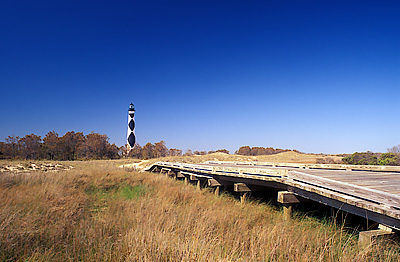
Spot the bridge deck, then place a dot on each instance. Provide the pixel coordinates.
(372, 194)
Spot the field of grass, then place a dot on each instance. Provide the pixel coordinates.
(99, 212)
(285, 157)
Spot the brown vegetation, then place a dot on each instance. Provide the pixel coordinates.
(71, 146)
(258, 151)
(285, 157)
(96, 212)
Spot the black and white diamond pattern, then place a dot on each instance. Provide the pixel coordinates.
(131, 139)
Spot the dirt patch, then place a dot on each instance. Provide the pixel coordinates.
(29, 166)
(135, 166)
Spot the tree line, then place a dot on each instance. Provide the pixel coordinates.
(159, 149)
(257, 151)
(155, 150)
(77, 146)
(71, 146)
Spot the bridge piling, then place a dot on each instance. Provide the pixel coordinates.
(244, 191)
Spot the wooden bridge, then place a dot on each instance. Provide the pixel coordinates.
(372, 192)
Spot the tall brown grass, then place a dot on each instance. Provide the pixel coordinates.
(98, 212)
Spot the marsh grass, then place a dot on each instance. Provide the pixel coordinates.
(101, 213)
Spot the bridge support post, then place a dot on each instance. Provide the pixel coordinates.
(165, 171)
(244, 191)
(288, 199)
(244, 196)
(214, 184)
(179, 175)
(287, 211)
(171, 174)
(366, 238)
(198, 182)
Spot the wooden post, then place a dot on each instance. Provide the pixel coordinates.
(186, 180)
(197, 180)
(173, 175)
(287, 211)
(214, 183)
(366, 238)
(165, 171)
(243, 196)
(288, 199)
(216, 191)
(179, 175)
(243, 189)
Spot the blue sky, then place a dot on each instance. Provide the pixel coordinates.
(316, 76)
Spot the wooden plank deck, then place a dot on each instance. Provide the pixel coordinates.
(373, 194)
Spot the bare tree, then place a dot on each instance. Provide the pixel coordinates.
(30, 146)
(394, 150)
(11, 147)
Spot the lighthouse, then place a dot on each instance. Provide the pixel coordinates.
(131, 127)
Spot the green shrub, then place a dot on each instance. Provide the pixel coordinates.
(369, 158)
(363, 158)
(389, 159)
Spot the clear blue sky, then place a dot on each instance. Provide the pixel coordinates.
(317, 76)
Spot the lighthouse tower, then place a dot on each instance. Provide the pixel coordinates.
(131, 127)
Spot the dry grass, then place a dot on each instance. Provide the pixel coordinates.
(97, 212)
(285, 157)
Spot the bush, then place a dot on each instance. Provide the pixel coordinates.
(364, 158)
(389, 159)
(369, 158)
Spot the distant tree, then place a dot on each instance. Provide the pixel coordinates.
(188, 153)
(148, 151)
(394, 150)
(51, 146)
(2, 150)
(70, 142)
(30, 146)
(223, 151)
(244, 150)
(94, 147)
(174, 152)
(200, 153)
(112, 151)
(136, 151)
(258, 151)
(160, 149)
(12, 147)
